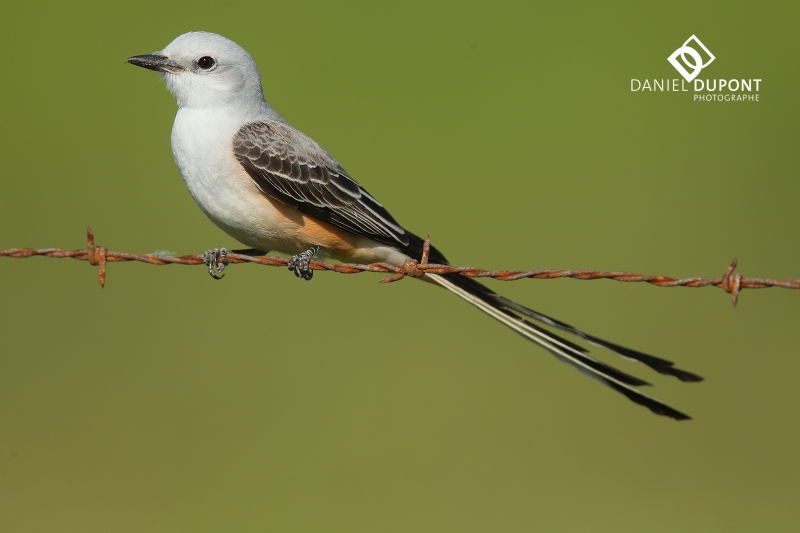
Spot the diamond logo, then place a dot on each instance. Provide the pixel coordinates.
(689, 56)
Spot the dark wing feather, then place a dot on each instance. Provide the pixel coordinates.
(290, 167)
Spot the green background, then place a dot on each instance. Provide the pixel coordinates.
(170, 402)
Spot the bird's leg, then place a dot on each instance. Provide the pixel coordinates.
(299, 263)
(216, 260)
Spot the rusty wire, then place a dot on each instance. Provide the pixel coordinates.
(100, 256)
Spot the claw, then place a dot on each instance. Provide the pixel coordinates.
(216, 260)
(299, 263)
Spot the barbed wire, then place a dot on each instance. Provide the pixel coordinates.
(100, 256)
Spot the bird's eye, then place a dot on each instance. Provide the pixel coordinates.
(206, 63)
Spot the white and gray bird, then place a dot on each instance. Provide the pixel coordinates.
(271, 187)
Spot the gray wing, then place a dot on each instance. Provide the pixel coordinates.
(290, 167)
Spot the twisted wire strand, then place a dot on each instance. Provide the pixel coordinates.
(100, 256)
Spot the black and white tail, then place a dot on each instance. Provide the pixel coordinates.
(513, 315)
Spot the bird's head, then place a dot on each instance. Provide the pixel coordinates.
(205, 70)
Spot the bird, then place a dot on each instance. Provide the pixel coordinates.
(273, 188)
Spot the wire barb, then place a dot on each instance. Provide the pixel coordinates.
(731, 282)
(100, 257)
(97, 256)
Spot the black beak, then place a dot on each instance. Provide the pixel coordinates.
(155, 62)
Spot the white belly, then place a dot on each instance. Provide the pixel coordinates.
(201, 145)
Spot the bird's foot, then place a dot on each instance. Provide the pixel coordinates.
(216, 260)
(299, 263)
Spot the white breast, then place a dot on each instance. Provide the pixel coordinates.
(202, 147)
